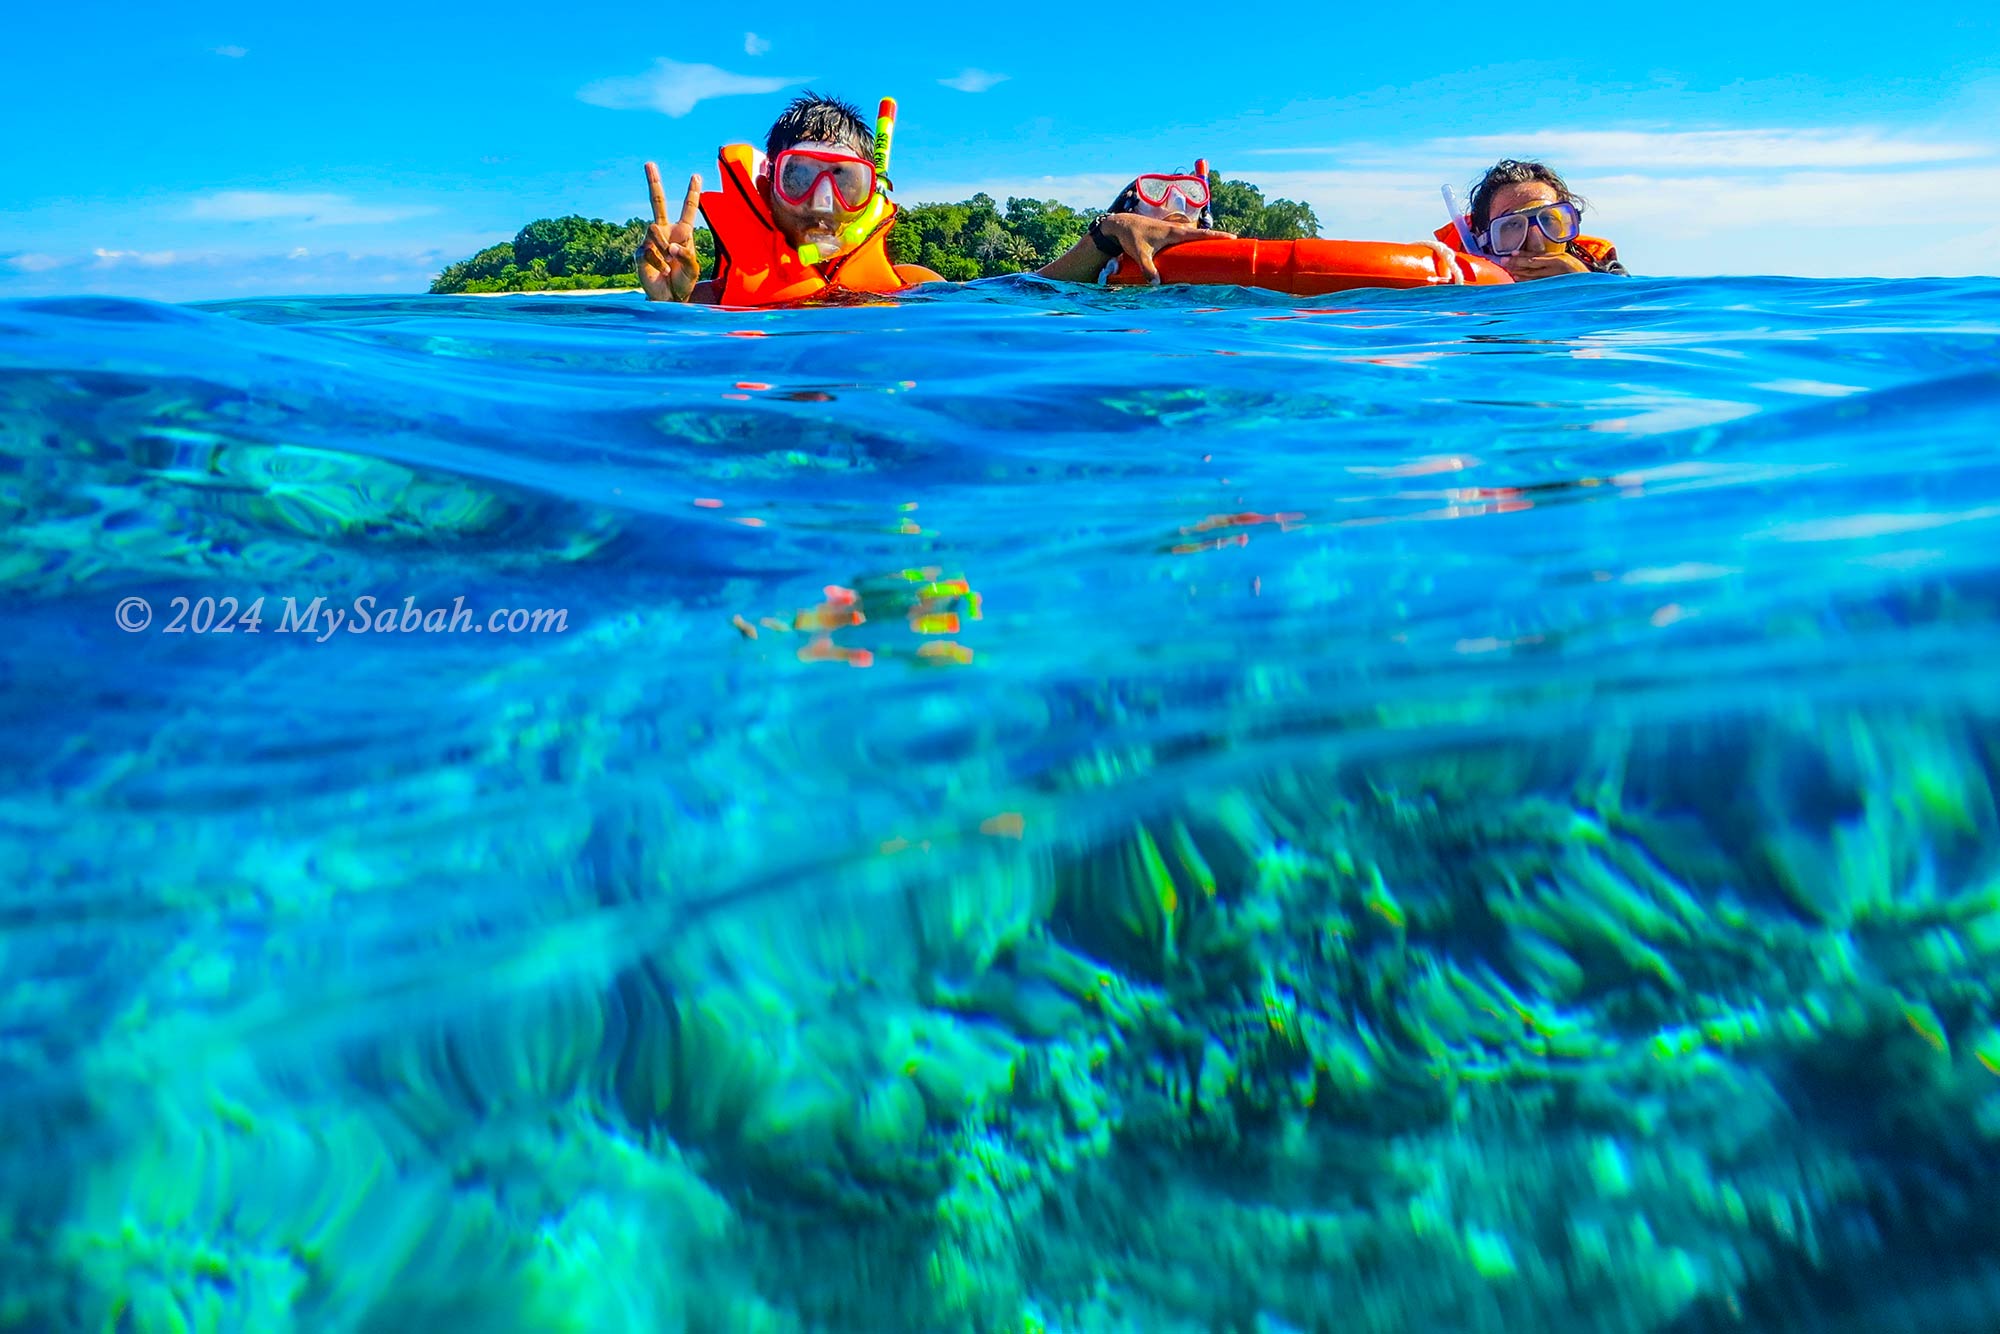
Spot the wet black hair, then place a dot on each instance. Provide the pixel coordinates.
(1128, 202)
(1509, 171)
(826, 119)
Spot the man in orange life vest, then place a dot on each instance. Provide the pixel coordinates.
(815, 178)
(1530, 223)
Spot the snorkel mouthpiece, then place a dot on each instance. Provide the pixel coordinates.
(854, 233)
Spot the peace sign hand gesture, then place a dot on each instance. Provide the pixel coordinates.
(668, 266)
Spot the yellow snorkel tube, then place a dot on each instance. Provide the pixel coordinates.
(854, 233)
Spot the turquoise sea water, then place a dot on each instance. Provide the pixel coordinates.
(1042, 809)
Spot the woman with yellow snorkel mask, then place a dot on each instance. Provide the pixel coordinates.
(1525, 218)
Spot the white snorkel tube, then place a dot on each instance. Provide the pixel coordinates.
(1472, 247)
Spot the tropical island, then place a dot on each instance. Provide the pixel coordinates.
(974, 238)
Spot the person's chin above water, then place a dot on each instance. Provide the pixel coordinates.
(803, 226)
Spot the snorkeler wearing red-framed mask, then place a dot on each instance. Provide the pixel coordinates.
(1153, 212)
(807, 217)
(1181, 197)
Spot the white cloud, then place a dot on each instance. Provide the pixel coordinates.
(151, 259)
(973, 80)
(233, 52)
(315, 209)
(300, 253)
(1711, 201)
(1704, 205)
(1948, 253)
(1631, 150)
(675, 88)
(1709, 222)
(1742, 149)
(200, 275)
(33, 263)
(753, 45)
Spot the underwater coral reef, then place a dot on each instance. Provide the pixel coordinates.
(1662, 1030)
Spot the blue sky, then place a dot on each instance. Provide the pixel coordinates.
(209, 150)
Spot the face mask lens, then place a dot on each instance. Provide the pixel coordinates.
(796, 177)
(1509, 232)
(853, 182)
(1156, 190)
(799, 175)
(1558, 222)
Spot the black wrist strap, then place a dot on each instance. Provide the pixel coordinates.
(1103, 242)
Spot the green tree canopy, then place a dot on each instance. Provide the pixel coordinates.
(1048, 227)
(561, 254)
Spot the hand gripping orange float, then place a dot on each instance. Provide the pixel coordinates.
(1311, 267)
(1307, 268)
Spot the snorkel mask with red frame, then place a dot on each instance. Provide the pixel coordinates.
(1164, 195)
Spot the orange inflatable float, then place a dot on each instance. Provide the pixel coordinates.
(1305, 268)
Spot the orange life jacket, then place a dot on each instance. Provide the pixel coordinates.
(756, 266)
(1599, 252)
